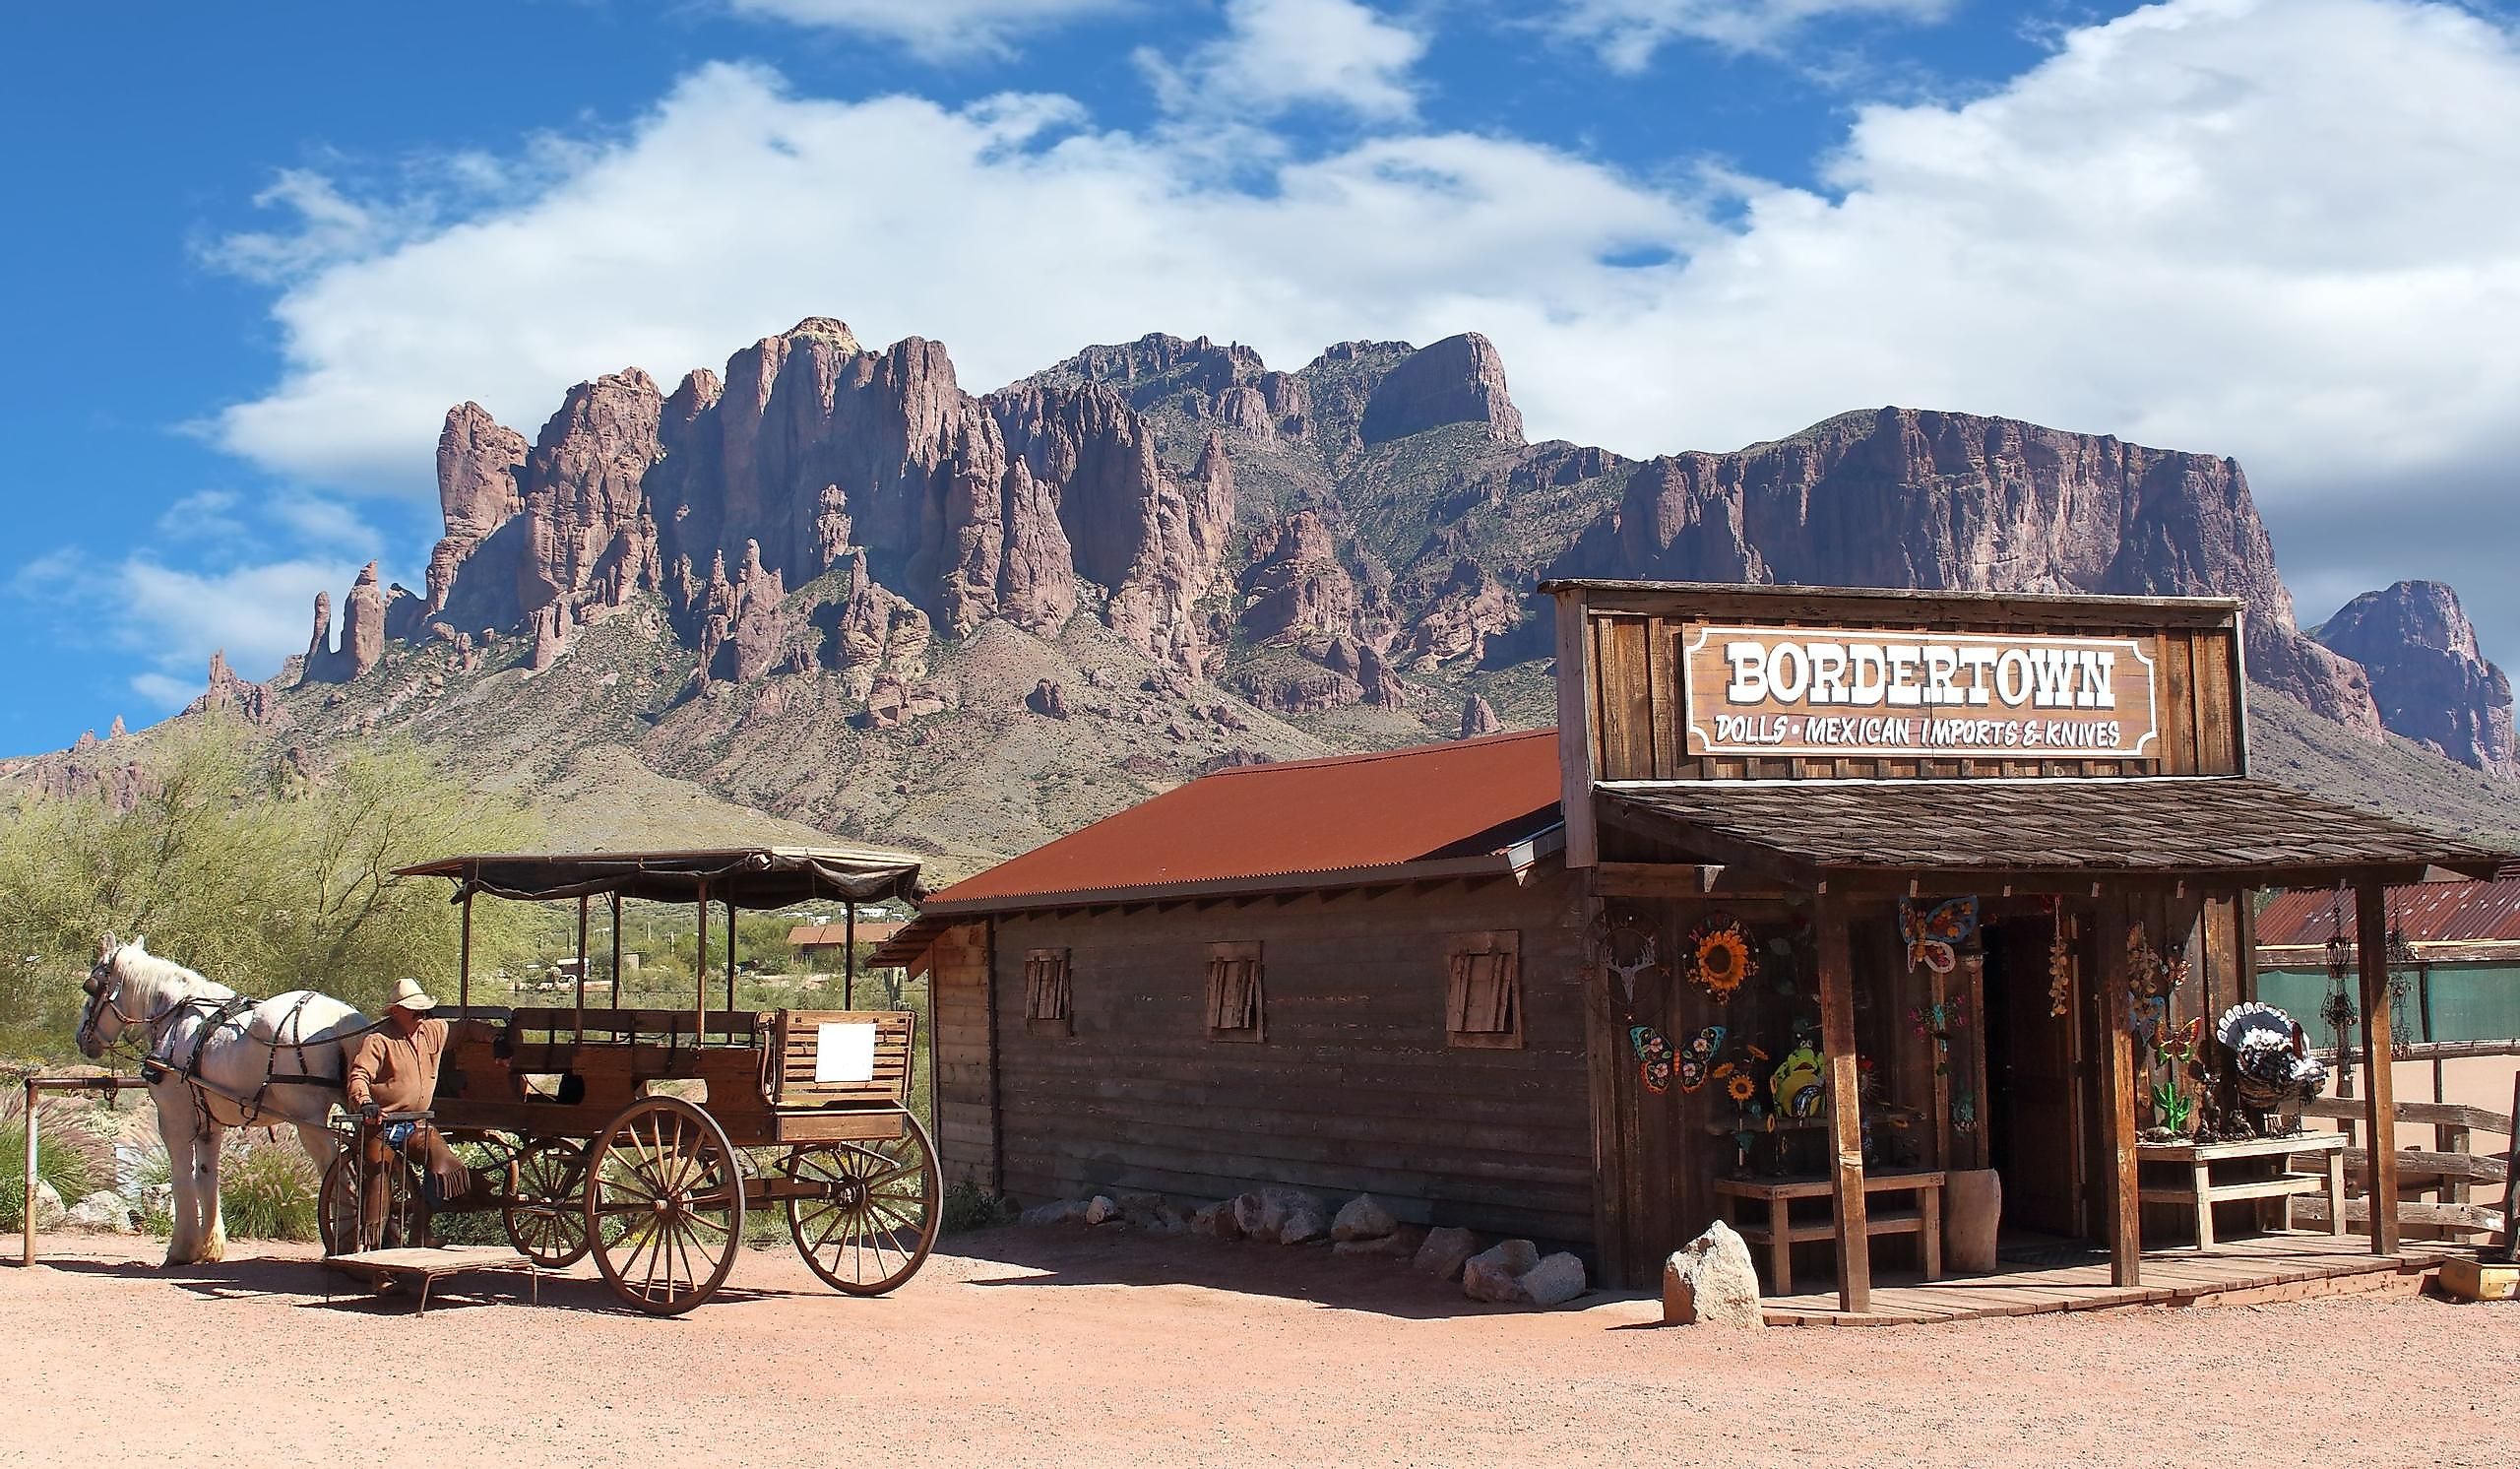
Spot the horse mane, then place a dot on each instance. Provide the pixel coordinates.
(164, 978)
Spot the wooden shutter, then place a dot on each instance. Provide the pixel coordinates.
(1046, 984)
(1237, 1004)
(1483, 990)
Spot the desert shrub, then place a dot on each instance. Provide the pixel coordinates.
(968, 1206)
(65, 1158)
(267, 1192)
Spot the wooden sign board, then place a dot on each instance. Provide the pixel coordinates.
(1860, 692)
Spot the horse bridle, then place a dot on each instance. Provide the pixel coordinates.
(102, 998)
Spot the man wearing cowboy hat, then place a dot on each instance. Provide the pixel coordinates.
(395, 1069)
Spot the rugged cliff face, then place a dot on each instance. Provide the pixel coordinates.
(1904, 498)
(1169, 555)
(2432, 685)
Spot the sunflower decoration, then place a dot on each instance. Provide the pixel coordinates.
(1742, 1088)
(1721, 956)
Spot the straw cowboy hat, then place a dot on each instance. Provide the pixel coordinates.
(409, 996)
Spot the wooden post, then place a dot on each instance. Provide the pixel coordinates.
(28, 1218)
(2371, 950)
(617, 950)
(463, 960)
(849, 977)
(2510, 1183)
(700, 962)
(583, 901)
(2118, 1095)
(730, 948)
(1846, 1120)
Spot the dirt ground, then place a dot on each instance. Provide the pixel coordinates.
(1052, 1347)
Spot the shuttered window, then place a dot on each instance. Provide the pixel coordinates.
(1237, 1003)
(1045, 992)
(1483, 990)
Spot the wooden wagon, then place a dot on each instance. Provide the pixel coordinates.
(647, 1136)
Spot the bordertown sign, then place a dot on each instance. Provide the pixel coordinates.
(1866, 692)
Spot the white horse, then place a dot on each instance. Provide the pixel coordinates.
(217, 1060)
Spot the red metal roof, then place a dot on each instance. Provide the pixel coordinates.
(2430, 912)
(1466, 797)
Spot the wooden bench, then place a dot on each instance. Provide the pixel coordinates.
(2196, 1189)
(431, 1265)
(1782, 1231)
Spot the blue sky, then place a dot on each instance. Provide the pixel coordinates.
(259, 250)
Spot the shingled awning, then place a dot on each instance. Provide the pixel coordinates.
(2226, 830)
(748, 877)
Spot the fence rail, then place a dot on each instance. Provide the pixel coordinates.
(34, 1084)
(2448, 1170)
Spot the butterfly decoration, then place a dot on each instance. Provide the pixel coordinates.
(1653, 1056)
(1963, 1112)
(2147, 1015)
(1934, 935)
(2179, 1046)
(1698, 1056)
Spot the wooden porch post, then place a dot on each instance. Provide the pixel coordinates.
(700, 960)
(848, 979)
(2379, 1110)
(463, 960)
(616, 948)
(2118, 1095)
(1846, 1120)
(580, 1020)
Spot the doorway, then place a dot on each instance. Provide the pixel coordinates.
(2035, 1090)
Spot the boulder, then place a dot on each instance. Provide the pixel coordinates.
(1305, 1222)
(1711, 1282)
(1215, 1221)
(1496, 1273)
(1063, 1211)
(1363, 1217)
(1554, 1281)
(1444, 1252)
(50, 1211)
(101, 1212)
(1101, 1209)
(1263, 1214)
(1400, 1244)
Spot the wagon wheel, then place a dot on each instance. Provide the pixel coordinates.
(407, 1210)
(547, 1218)
(665, 1209)
(873, 1217)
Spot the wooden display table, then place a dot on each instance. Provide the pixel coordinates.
(1782, 1231)
(2198, 1190)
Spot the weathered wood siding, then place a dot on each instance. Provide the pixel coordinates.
(958, 974)
(1354, 1090)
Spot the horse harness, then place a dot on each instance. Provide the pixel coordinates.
(160, 1063)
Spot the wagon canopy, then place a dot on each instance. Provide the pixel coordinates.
(746, 876)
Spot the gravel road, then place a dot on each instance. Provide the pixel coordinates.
(1046, 1347)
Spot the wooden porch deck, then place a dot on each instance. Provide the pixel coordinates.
(2275, 1265)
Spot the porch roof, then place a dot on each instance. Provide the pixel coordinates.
(2210, 830)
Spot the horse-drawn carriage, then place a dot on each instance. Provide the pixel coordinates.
(646, 1136)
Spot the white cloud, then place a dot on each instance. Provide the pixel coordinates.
(937, 30)
(1278, 54)
(176, 618)
(1629, 32)
(2280, 229)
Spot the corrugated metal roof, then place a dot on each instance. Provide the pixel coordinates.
(2428, 911)
(1463, 799)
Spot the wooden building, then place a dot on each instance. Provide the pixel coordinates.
(1803, 883)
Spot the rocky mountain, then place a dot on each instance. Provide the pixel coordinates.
(831, 586)
(2430, 682)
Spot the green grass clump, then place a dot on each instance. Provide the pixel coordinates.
(267, 1192)
(968, 1206)
(62, 1159)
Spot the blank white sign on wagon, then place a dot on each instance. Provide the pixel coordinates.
(844, 1050)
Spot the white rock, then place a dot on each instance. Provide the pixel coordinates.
(1496, 1273)
(49, 1210)
(1304, 1225)
(1263, 1214)
(1400, 1244)
(1363, 1217)
(1100, 1209)
(1711, 1282)
(103, 1212)
(1444, 1252)
(1063, 1211)
(1555, 1280)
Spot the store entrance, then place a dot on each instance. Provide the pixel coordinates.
(2036, 1085)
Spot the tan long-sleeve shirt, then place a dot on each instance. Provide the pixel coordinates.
(399, 1073)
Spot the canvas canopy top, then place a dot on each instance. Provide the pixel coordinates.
(746, 876)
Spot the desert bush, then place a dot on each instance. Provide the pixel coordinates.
(65, 1158)
(968, 1206)
(267, 1191)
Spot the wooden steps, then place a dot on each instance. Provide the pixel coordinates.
(2268, 1268)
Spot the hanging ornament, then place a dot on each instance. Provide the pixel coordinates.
(2060, 963)
(1653, 1057)
(1698, 1056)
(1934, 934)
(1641, 947)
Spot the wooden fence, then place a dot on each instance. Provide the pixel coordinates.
(2449, 1171)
